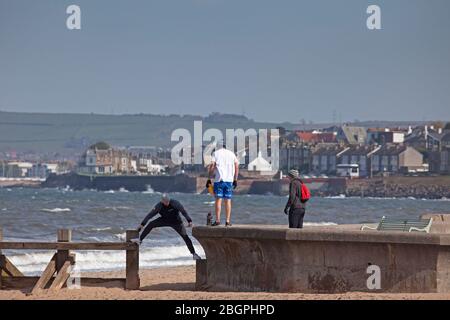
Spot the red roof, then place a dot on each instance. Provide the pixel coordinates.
(307, 136)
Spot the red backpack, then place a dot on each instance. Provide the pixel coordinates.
(306, 194)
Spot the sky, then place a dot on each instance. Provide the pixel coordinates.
(284, 60)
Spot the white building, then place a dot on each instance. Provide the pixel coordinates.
(147, 166)
(23, 166)
(259, 164)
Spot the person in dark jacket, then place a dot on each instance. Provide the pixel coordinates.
(169, 211)
(295, 208)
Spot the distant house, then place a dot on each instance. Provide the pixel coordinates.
(360, 155)
(148, 167)
(417, 138)
(122, 161)
(434, 139)
(98, 159)
(326, 157)
(10, 170)
(439, 154)
(39, 170)
(397, 159)
(351, 135)
(445, 140)
(22, 167)
(445, 161)
(101, 158)
(310, 137)
(385, 135)
(295, 156)
(424, 138)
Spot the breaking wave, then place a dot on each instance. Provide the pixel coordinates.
(87, 261)
(149, 190)
(56, 210)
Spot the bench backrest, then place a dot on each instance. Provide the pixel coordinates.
(404, 225)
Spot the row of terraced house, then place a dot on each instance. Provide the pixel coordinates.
(371, 152)
(103, 159)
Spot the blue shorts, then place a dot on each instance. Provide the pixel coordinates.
(223, 189)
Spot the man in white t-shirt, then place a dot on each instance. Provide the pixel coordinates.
(225, 167)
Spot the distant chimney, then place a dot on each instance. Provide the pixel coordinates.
(439, 130)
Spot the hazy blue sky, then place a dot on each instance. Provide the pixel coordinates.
(274, 60)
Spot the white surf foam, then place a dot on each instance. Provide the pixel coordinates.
(101, 229)
(66, 189)
(167, 256)
(149, 190)
(56, 210)
(318, 224)
(341, 196)
(120, 236)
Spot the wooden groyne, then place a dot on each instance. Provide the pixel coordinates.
(58, 270)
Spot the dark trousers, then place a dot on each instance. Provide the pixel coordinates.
(296, 218)
(178, 227)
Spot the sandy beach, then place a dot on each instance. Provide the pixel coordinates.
(178, 283)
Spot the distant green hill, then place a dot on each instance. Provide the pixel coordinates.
(47, 132)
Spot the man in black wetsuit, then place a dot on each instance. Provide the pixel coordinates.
(169, 210)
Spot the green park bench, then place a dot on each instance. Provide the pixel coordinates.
(385, 224)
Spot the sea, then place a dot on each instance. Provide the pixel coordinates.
(103, 216)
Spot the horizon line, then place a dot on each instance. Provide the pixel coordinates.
(309, 123)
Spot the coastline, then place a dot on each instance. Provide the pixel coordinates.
(178, 283)
(20, 183)
(430, 188)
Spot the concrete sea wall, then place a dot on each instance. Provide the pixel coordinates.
(180, 183)
(320, 259)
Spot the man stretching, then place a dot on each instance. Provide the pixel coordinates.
(169, 210)
(225, 166)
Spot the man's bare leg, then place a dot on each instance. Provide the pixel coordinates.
(218, 208)
(228, 209)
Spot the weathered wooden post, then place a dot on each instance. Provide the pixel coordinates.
(64, 235)
(132, 262)
(64, 260)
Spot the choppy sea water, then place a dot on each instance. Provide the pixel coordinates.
(36, 214)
